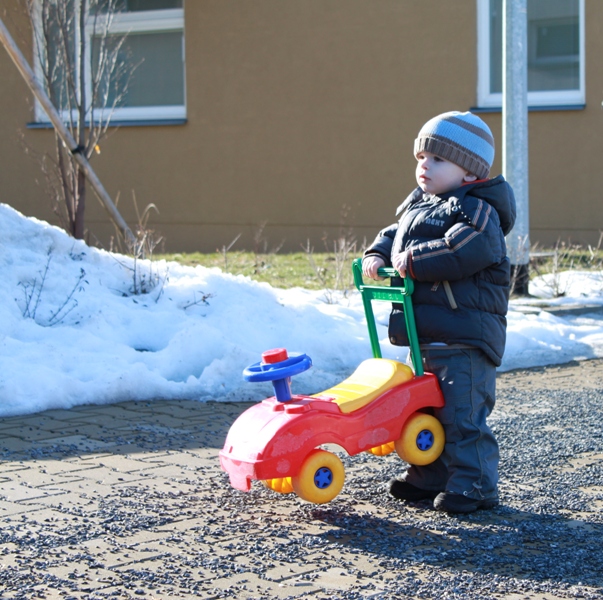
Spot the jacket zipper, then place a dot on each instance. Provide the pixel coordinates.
(448, 291)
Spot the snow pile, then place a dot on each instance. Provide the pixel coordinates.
(72, 332)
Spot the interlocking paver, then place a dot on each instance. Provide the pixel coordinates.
(14, 492)
(10, 509)
(41, 478)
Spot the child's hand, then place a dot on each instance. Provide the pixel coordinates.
(400, 263)
(370, 264)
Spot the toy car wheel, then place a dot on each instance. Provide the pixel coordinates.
(422, 440)
(282, 485)
(383, 450)
(320, 478)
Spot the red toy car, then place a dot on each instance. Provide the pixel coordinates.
(382, 406)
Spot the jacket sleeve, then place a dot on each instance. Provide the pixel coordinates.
(382, 246)
(473, 243)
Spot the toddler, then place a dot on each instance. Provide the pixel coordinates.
(450, 238)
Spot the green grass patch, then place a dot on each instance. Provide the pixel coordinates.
(565, 257)
(314, 272)
(329, 271)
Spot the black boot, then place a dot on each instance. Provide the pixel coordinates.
(403, 490)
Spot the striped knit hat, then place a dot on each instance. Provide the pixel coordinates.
(460, 137)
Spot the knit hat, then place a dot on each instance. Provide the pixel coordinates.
(461, 138)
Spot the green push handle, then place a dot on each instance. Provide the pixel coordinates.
(399, 294)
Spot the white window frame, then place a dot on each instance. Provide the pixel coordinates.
(486, 99)
(152, 21)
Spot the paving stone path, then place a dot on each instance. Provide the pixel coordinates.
(128, 501)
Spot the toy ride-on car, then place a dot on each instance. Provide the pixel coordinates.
(383, 406)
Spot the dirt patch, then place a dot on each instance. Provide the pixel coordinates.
(586, 374)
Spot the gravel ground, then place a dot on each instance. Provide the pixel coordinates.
(174, 528)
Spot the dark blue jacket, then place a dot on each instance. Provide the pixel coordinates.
(459, 263)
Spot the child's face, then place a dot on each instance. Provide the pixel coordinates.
(436, 175)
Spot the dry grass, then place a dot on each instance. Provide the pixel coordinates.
(332, 270)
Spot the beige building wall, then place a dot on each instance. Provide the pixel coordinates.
(301, 116)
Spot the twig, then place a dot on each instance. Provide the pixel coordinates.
(162, 285)
(197, 302)
(54, 318)
(36, 290)
(225, 250)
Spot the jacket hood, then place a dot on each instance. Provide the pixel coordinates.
(498, 194)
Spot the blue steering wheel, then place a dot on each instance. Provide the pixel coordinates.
(294, 365)
(279, 373)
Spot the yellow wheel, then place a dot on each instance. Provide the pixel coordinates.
(383, 450)
(422, 440)
(320, 478)
(282, 485)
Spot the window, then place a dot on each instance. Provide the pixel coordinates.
(555, 52)
(152, 53)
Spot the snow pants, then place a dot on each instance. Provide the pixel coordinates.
(469, 463)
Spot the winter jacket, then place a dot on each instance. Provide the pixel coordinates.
(458, 262)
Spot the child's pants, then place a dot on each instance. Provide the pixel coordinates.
(469, 463)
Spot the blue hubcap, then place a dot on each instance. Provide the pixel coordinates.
(425, 440)
(323, 478)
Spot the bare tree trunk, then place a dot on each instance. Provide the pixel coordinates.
(78, 225)
(64, 184)
(80, 185)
